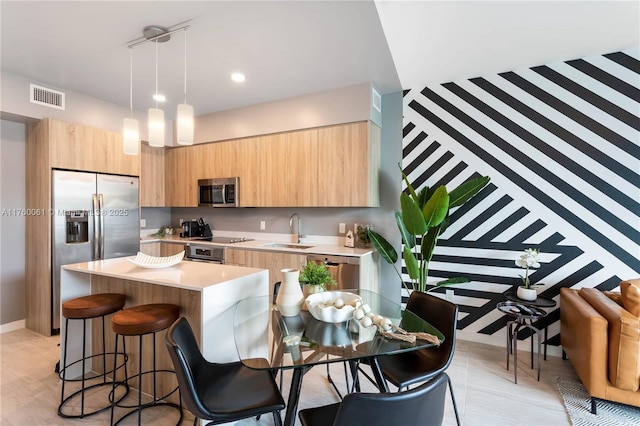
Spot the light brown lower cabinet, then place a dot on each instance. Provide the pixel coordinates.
(273, 261)
(152, 249)
(169, 249)
(161, 248)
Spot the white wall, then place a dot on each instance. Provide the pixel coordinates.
(12, 196)
(341, 105)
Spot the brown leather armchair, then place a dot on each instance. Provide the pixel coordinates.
(602, 340)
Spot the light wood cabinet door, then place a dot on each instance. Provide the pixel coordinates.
(169, 249)
(180, 177)
(221, 160)
(303, 183)
(152, 249)
(349, 161)
(286, 261)
(263, 259)
(249, 167)
(273, 155)
(152, 179)
(78, 147)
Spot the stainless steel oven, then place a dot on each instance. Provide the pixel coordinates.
(204, 253)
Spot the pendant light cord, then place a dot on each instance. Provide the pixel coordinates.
(156, 93)
(185, 66)
(131, 82)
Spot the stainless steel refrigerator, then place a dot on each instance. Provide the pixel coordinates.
(95, 216)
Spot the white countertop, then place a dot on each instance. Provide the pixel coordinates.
(187, 275)
(316, 248)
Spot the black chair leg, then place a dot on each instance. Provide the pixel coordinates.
(277, 420)
(453, 400)
(593, 406)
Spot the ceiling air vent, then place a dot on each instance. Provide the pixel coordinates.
(47, 97)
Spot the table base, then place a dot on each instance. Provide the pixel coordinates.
(513, 327)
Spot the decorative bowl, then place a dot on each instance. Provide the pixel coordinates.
(321, 305)
(153, 262)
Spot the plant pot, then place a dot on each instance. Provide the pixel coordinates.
(307, 290)
(290, 297)
(529, 294)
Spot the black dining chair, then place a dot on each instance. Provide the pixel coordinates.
(413, 367)
(423, 405)
(219, 392)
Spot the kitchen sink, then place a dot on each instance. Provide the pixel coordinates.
(289, 246)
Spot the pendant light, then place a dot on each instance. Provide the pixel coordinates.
(184, 116)
(156, 115)
(156, 122)
(130, 130)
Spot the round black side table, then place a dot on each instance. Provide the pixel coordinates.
(540, 302)
(524, 317)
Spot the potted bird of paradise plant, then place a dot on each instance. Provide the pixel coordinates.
(422, 218)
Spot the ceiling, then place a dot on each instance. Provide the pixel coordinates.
(288, 49)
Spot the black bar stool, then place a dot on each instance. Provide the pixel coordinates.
(86, 308)
(138, 321)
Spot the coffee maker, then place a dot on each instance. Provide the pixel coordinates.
(190, 228)
(195, 228)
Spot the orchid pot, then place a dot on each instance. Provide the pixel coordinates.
(529, 294)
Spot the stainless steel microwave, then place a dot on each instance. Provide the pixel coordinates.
(218, 192)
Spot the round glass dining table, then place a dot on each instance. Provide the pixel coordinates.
(265, 339)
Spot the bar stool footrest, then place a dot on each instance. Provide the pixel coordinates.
(151, 405)
(97, 376)
(99, 410)
(158, 399)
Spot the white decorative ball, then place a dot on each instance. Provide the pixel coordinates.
(366, 322)
(358, 313)
(385, 324)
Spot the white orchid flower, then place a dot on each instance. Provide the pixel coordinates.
(529, 259)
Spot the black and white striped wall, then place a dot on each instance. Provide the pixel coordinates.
(561, 143)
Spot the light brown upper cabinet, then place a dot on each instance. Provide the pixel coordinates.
(78, 147)
(152, 190)
(348, 165)
(334, 166)
(180, 177)
(249, 169)
(303, 183)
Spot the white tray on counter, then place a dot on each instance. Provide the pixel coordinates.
(153, 262)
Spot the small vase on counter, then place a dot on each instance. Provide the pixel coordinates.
(290, 297)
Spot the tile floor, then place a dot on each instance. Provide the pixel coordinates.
(484, 389)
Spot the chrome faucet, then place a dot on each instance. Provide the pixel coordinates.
(297, 216)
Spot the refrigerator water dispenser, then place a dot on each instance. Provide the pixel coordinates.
(77, 226)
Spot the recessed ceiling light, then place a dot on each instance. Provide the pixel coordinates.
(238, 77)
(159, 98)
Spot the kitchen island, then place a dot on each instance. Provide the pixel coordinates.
(205, 292)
